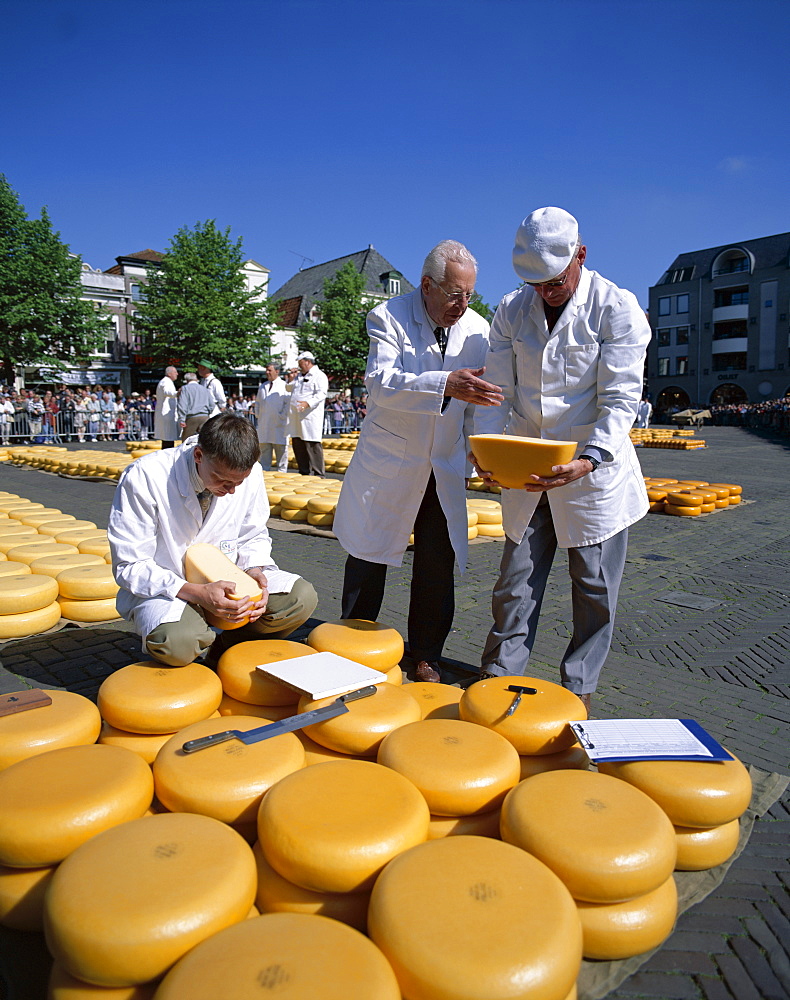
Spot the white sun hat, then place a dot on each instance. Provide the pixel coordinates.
(545, 244)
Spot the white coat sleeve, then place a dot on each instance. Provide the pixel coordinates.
(500, 370)
(388, 382)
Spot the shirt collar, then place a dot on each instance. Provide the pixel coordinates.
(194, 476)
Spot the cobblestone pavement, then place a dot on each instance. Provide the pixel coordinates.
(702, 632)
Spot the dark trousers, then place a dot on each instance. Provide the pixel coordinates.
(432, 598)
(309, 457)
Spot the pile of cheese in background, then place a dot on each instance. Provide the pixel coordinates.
(690, 497)
(681, 439)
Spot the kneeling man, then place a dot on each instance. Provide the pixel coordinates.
(209, 490)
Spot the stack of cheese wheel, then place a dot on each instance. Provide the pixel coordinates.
(70, 720)
(703, 799)
(182, 879)
(690, 497)
(734, 492)
(471, 522)
(612, 846)
(489, 517)
(144, 704)
(509, 927)
(28, 604)
(87, 592)
(463, 771)
(303, 957)
(205, 563)
(371, 643)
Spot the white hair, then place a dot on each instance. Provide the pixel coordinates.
(435, 265)
(190, 377)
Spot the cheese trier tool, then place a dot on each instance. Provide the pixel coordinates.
(293, 722)
(517, 700)
(22, 701)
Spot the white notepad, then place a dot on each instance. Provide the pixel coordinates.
(322, 675)
(647, 739)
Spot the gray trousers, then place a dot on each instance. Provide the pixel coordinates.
(280, 456)
(595, 572)
(178, 643)
(309, 457)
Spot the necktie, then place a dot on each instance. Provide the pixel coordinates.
(441, 338)
(204, 499)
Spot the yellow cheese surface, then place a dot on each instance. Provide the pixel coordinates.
(370, 643)
(131, 901)
(272, 713)
(70, 720)
(614, 931)
(19, 538)
(9, 568)
(31, 550)
(436, 701)
(205, 563)
(88, 611)
(145, 745)
(53, 565)
(512, 460)
(605, 843)
(509, 928)
(55, 527)
(700, 849)
(63, 986)
(360, 730)
(360, 816)
(574, 757)
(22, 897)
(29, 622)
(73, 536)
(55, 801)
(477, 825)
(237, 670)
(92, 581)
(26, 592)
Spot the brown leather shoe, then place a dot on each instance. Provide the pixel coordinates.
(586, 702)
(426, 671)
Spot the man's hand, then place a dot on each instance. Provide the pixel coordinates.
(485, 476)
(301, 407)
(259, 607)
(216, 598)
(563, 474)
(467, 385)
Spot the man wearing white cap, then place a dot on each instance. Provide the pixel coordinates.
(308, 391)
(568, 351)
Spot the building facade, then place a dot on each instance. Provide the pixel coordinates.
(720, 326)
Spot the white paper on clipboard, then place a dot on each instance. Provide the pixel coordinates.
(647, 739)
(322, 675)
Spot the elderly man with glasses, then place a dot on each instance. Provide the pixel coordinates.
(568, 351)
(408, 472)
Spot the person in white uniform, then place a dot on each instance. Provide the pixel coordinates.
(213, 384)
(166, 427)
(308, 387)
(208, 490)
(644, 413)
(568, 351)
(409, 470)
(271, 414)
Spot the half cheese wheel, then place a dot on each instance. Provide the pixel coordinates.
(63, 986)
(277, 895)
(205, 563)
(88, 582)
(88, 611)
(54, 527)
(9, 568)
(360, 730)
(226, 781)
(149, 698)
(22, 893)
(360, 816)
(458, 767)
(436, 701)
(700, 849)
(52, 565)
(692, 793)
(478, 825)
(181, 877)
(55, 801)
(512, 460)
(237, 670)
(70, 720)
(613, 931)
(539, 724)
(29, 622)
(296, 955)
(509, 926)
(628, 847)
(370, 643)
(26, 592)
(29, 551)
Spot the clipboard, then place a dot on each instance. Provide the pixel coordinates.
(648, 739)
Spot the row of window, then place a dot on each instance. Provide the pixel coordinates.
(735, 361)
(722, 297)
(665, 304)
(664, 337)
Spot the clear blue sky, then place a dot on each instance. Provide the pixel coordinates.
(320, 126)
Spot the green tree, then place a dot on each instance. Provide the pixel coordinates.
(339, 337)
(43, 319)
(479, 306)
(197, 304)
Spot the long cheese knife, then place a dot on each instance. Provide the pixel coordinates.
(337, 707)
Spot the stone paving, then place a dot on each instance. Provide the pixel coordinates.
(724, 663)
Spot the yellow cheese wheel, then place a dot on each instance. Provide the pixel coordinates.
(322, 505)
(181, 878)
(75, 536)
(655, 494)
(270, 713)
(54, 528)
(63, 986)
(19, 538)
(509, 927)
(296, 955)
(471, 533)
(15, 511)
(478, 503)
(22, 897)
(692, 793)
(226, 781)
(490, 531)
(656, 506)
(699, 849)
(16, 528)
(539, 724)
(708, 508)
(95, 548)
(9, 568)
(295, 501)
(53, 565)
(291, 514)
(274, 511)
(316, 754)
(362, 728)
(70, 720)
(613, 931)
(360, 816)
(680, 498)
(679, 510)
(88, 611)
(57, 800)
(145, 745)
(205, 563)
(29, 623)
(370, 643)
(691, 482)
(478, 825)
(458, 767)
(731, 488)
(320, 520)
(277, 895)
(722, 504)
(26, 592)
(574, 757)
(149, 698)
(489, 515)
(32, 550)
(734, 499)
(471, 518)
(237, 670)
(88, 582)
(436, 701)
(394, 675)
(38, 517)
(628, 844)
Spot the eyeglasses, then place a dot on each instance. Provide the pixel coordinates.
(457, 297)
(558, 282)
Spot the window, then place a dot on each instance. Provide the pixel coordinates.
(732, 262)
(394, 286)
(663, 366)
(738, 296)
(682, 365)
(682, 304)
(682, 335)
(733, 328)
(663, 338)
(137, 293)
(675, 275)
(665, 306)
(730, 362)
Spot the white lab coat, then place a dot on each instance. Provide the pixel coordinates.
(215, 387)
(165, 417)
(271, 412)
(156, 516)
(310, 388)
(643, 414)
(406, 434)
(581, 382)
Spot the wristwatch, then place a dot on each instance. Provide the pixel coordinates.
(593, 461)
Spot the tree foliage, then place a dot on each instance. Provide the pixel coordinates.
(339, 337)
(43, 319)
(197, 304)
(479, 306)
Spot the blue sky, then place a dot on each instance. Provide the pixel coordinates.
(315, 128)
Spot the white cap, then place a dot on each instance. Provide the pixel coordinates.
(306, 355)
(545, 244)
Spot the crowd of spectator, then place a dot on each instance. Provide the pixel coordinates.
(343, 413)
(771, 415)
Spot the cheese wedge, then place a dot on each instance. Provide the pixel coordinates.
(205, 563)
